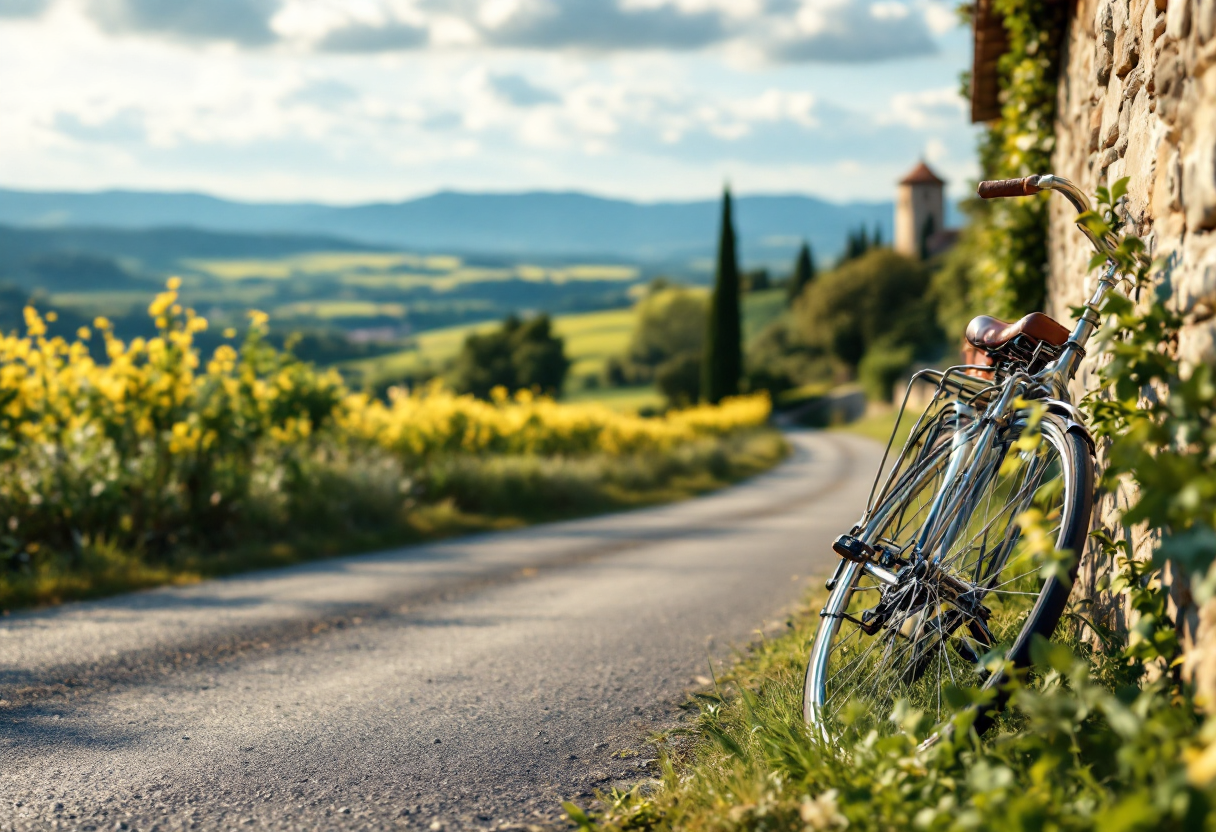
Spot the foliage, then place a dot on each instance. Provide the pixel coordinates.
(779, 358)
(882, 366)
(521, 355)
(1010, 275)
(679, 379)
(722, 366)
(1087, 751)
(666, 345)
(154, 449)
(877, 298)
(669, 322)
(954, 289)
(434, 422)
(804, 272)
(858, 242)
(756, 280)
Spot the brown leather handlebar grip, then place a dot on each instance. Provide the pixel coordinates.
(994, 188)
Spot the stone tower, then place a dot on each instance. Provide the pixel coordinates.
(919, 211)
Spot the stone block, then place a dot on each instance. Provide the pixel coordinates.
(1132, 85)
(1198, 114)
(1178, 19)
(1111, 106)
(1167, 183)
(1196, 346)
(1195, 287)
(1199, 179)
(1127, 51)
(1167, 78)
(1104, 64)
(1095, 127)
(1205, 20)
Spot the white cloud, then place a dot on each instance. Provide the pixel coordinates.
(925, 108)
(142, 107)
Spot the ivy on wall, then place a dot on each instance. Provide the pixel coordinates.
(1004, 251)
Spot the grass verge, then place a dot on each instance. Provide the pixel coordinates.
(362, 504)
(1088, 744)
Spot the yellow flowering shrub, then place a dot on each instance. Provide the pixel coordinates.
(434, 421)
(144, 443)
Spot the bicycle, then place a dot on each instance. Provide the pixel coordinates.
(932, 590)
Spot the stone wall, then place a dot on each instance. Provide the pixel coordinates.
(1137, 98)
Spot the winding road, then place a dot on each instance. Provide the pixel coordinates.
(473, 683)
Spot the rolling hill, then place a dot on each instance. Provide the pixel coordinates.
(538, 224)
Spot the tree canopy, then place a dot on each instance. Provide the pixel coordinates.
(517, 355)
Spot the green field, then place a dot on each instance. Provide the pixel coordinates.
(760, 309)
(591, 339)
(375, 298)
(624, 399)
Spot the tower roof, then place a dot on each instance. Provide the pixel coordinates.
(922, 175)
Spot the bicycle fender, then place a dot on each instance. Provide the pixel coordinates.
(1074, 421)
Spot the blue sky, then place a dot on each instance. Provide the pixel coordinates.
(355, 100)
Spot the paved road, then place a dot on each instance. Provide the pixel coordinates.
(467, 684)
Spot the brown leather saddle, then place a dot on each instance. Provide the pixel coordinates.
(1034, 340)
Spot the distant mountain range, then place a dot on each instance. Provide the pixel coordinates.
(522, 225)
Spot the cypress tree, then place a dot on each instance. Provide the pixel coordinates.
(804, 271)
(723, 362)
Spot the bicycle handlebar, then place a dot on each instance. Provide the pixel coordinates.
(997, 188)
(1033, 184)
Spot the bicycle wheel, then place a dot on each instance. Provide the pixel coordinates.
(958, 587)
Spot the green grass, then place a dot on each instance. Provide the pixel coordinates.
(591, 339)
(623, 399)
(760, 309)
(320, 263)
(878, 423)
(1085, 748)
(357, 505)
(328, 309)
(401, 270)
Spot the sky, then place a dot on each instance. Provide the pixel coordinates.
(345, 101)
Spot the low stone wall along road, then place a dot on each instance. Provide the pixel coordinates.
(474, 683)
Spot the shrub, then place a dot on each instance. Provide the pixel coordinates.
(521, 355)
(154, 448)
(881, 367)
(679, 378)
(878, 297)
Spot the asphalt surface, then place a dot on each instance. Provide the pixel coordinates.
(469, 684)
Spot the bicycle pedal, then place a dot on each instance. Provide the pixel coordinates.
(850, 548)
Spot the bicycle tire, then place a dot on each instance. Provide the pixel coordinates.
(1076, 506)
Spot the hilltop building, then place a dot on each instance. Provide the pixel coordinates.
(920, 214)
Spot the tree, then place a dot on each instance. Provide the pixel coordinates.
(804, 272)
(679, 379)
(879, 300)
(723, 362)
(518, 355)
(669, 322)
(858, 243)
